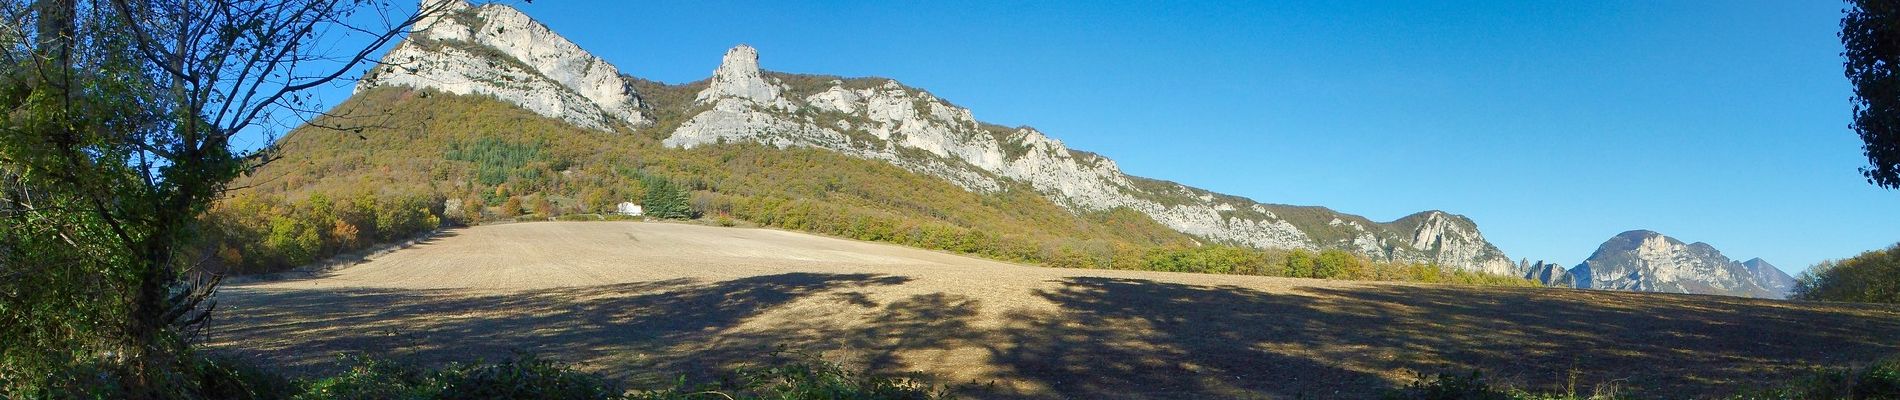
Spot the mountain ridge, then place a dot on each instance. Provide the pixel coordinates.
(882, 119)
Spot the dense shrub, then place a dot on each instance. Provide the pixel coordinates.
(777, 376)
(797, 376)
(198, 377)
(256, 234)
(1871, 277)
(520, 378)
(1877, 381)
(1450, 387)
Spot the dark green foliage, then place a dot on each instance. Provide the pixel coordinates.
(203, 377)
(666, 200)
(1871, 277)
(519, 378)
(1870, 34)
(795, 377)
(498, 161)
(234, 379)
(366, 379)
(524, 377)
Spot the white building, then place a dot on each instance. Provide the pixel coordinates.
(629, 209)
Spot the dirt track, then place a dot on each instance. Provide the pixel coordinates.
(644, 302)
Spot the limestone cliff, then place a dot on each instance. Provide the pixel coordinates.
(495, 50)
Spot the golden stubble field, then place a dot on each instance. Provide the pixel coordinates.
(648, 302)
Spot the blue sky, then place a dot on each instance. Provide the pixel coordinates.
(1554, 125)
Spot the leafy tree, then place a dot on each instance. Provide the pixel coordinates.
(116, 127)
(1870, 32)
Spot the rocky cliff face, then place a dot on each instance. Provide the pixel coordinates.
(1648, 261)
(495, 50)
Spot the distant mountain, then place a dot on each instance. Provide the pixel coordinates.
(497, 52)
(1647, 261)
(1550, 274)
(1769, 276)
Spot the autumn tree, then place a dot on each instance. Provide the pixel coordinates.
(117, 120)
(542, 207)
(511, 208)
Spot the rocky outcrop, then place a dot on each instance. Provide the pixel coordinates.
(495, 50)
(1647, 261)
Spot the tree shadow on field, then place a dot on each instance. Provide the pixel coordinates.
(1088, 337)
(623, 328)
(1128, 338)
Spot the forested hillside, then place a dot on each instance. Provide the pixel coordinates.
(392, 163)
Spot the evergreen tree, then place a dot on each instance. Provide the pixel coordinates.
(665, 200)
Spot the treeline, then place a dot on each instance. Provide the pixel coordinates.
(1871, 277)
(261, 233)
(810, 216)
(1300, 263)
(256, 234)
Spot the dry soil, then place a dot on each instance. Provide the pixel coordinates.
(645, 303)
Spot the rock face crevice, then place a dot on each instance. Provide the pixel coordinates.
(495, 50)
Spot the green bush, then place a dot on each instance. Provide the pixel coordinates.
(366, 379)
(522, 378)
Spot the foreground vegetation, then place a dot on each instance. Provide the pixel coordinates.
(777, 376)
(1880, 380)
(788, 376)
